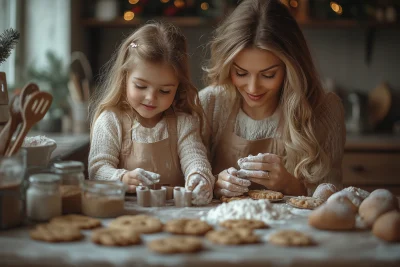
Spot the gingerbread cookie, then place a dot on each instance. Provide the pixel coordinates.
(265, 194)
(303, 202)
(233, 237)
(79, 221)
(140, 223)
(243, 223)
(115, 237)
(229, 199)
(187, 227)
(55, 233)
(175, 244)
(290, 238)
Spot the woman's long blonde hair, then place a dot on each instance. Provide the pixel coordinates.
(157, 43)
(268, 25)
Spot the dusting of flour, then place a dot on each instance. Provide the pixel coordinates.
(39, 140)
(260, 209)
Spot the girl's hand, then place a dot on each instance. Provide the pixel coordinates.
(265, 169)
(201, 189)
(139, 176)
(230, 185)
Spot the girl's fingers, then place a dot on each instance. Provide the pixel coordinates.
(254, 174)
(259, 166)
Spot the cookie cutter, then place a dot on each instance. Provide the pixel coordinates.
(170, 191)
(143, 196)
(182, 197)
(158, 197)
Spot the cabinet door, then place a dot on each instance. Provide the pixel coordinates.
(372, 170)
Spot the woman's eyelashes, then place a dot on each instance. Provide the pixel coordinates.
(243, 74)
(139, 86)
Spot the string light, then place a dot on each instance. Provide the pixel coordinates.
(179, 3)
(294, 3)
(336, 8)
(129, 15)
(133, 2)
(204, 6)
(164, 1)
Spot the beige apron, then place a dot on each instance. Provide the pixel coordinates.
(232, 147)
(160, 157)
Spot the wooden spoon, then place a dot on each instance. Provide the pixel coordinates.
(7, 133)
(33, 111)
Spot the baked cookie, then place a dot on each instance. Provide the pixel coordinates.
(175, 244)
(115, 237)
(229, 199)
(55, 233)
(140, 223)
(243, 223)
(265, 194)
(187, 227)
(79, 221)
(290, 238)
(233, 237)
(303, 202)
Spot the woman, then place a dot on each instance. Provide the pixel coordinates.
(266, 97)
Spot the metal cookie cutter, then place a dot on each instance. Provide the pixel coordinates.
(182, 197)
(170, 191)
(143, 196)
(158, 196)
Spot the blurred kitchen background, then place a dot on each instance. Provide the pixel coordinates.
(355, 45)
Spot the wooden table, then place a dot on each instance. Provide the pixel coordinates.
(355, 248)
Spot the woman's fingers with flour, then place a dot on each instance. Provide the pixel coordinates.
(201, 189)
(228, 184)
(145, 177)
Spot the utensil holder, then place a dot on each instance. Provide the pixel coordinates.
(143, 196)
(182, 197)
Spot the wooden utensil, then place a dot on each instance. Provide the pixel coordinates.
(3, 100)
(33, 111)
(7, 132)
(16, 113)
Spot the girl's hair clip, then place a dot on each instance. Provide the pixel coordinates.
(133, 45)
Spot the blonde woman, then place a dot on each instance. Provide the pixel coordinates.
(143, 131)
(266, 100)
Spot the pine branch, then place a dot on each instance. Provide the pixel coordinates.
(8, 40)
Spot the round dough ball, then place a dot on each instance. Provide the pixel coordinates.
(346, 198)
(324, 191)
(377, 203)
(387, 226)
(333, 216)
(358, 191)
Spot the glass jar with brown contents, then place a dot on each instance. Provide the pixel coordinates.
(103, 199)
(72, 177)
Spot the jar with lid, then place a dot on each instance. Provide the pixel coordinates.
(43, 198)
(71, 173)
(103, 199)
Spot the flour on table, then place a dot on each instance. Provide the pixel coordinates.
(39, 140)
(260, 209)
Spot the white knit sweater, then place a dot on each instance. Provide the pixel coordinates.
(106, 144)
(218, 104)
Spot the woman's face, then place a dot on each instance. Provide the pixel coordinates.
(151, 88)
(258, 75)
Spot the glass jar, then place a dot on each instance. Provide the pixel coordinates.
(71, 173)
(43, 197)
(103, 199)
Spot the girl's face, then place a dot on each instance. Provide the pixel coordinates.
(151, 88)
(258, 75)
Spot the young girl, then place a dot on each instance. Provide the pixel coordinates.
(266, 98)
(143, 131)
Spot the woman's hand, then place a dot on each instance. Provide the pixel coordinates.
(201, 189)
(230, 185)
(269, 171)
(139, 177)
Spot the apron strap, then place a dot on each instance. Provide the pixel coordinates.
(172, 127)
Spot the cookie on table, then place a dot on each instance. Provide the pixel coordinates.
(79, 221)
(229, 199)
(187, 227)
(233, 237)
(140, 223)
(55, 233)
(290, 238)
(244, 223)
(303, 202)
(115, 237)
(265, 194)
(175, 244)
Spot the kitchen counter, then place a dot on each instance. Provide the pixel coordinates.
(353, 248)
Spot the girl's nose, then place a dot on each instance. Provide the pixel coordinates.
(151, 95)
